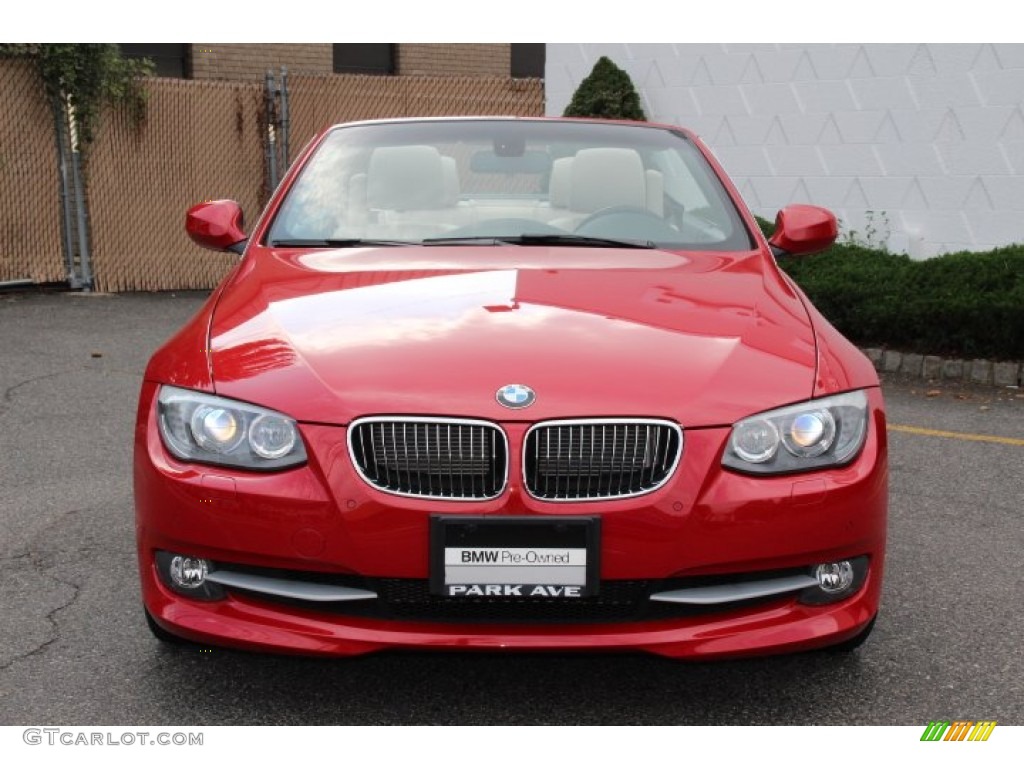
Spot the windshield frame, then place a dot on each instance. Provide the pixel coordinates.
(741, 239)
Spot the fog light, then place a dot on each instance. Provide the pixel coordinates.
(188, 572)
(835, 581)
(834, 577)
(187, 576)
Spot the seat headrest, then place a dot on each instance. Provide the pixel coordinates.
(605, 178)
(450, 169)
(405, 178)
(560, 186)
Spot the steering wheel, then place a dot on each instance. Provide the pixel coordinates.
(612, 210)
(626, 221)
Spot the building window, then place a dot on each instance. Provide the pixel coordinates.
(365, 58)
(528, 59)
(171, 59)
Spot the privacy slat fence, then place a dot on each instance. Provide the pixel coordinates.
(318, 101)
(200, 140)
(30, 211)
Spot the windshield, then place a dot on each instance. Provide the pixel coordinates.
(510, 181)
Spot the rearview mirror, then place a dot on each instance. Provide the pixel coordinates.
(217, 225)
(528, 161)
(801, 230)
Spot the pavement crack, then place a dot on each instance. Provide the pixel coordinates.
(51, 617)
(35, 559)
(9, 392)
(13, 558)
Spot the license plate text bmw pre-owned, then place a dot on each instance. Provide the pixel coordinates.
(526, 557)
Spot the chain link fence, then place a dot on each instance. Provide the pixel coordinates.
(317, 101)
(31, 229)
(200, 140)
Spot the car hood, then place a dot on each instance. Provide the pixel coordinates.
(329, 336)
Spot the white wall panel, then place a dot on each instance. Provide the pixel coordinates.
(927, 137)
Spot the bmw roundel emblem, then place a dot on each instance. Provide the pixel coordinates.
(516, 396)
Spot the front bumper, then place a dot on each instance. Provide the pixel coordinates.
(322, 518)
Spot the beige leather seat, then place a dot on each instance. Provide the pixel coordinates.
(410, 193)
(450, 170)
(405, 179)
(560, 184)
(600, 178)
(607, 178)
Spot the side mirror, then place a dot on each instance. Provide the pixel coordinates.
(801, 230)
(217, 225)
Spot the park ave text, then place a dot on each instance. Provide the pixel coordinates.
(513, 590)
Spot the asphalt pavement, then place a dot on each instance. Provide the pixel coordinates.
(74, 648)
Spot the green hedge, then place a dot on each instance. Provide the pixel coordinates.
(959, 305)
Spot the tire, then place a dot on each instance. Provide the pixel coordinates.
(162, 634)
(854, 642)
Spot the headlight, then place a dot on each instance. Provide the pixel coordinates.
(819, 433)
(214, 430)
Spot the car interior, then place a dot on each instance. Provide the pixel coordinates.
(463, 190)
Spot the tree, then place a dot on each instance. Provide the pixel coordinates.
(607, 92)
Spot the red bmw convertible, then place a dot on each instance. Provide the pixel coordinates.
(503, 383)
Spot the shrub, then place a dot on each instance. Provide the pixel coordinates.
(607, 92)
(88, 75)
(960, 304)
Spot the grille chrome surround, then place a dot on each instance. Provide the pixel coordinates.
(424, 457)
(599, 459)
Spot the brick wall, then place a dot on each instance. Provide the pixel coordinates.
(455, 59)
(250, 61)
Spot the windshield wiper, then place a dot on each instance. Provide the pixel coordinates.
(584, 241)
(350, 242)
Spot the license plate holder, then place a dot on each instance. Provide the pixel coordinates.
(514, 557)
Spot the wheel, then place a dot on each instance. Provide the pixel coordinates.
(854, 642)
(162, 634)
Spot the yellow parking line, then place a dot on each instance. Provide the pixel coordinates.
(956, 435)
